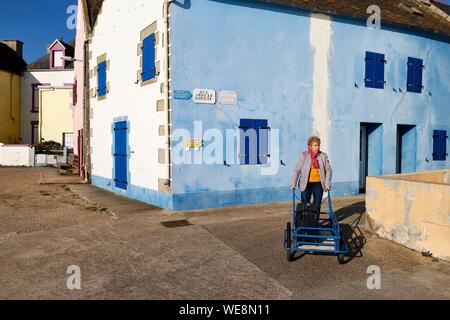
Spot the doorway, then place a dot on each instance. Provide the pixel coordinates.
(80, 146)
(406, 148)
(121, 154)
(370, 152)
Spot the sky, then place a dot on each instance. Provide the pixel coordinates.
(37, 23)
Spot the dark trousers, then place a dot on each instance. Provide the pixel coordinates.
(315, 189)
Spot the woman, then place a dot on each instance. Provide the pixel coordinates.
(313, 169)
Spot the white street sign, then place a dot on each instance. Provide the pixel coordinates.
(207, 96)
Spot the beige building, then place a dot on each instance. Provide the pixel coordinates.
(49, 70)
(11, 70)
(56, 115)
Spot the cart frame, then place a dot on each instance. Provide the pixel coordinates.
(297, 238)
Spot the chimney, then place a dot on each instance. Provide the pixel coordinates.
(16, 45)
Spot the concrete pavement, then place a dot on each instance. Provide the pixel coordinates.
(124, 252)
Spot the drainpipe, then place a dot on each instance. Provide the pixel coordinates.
(10, 96)
(166, 88)
(86, 125)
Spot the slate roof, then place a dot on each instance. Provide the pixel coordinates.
(426, 15)
(43, 63)
(443, 6)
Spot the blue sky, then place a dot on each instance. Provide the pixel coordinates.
(35, 23)
(38, 23)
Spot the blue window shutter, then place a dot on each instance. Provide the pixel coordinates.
(418, 75)
(244, 150)
(439, 145)
(411, 78)
(254, 145)
(379, 71)
(415, 71)
(436, 145)
(148, 58)
(374, 74)
(263, 141)
(370, 70)
(101, 79)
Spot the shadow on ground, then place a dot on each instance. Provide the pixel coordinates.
(351, 231)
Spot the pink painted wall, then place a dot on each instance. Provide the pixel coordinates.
(78, 114)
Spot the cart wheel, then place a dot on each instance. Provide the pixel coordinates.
(290, 254)
(341, 256)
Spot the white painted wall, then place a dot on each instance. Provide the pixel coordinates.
(54, 78)
(320, 39)
(117, 34)
(16, 155)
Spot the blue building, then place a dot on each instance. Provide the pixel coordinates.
(376, 91)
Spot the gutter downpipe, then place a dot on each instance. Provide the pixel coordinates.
(166, 89)
(86, 134)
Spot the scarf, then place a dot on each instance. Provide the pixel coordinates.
(314, 161)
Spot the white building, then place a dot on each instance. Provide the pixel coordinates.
(119, 93)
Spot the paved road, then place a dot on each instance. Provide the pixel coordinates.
(124, 252)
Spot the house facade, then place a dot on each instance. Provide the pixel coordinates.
(79, 88)
(49, 70)
(12, 67)
(56, 115)
(218, 112)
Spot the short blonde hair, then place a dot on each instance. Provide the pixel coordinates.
(313, 139)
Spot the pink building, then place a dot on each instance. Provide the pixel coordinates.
(86, 18)
(78, 95)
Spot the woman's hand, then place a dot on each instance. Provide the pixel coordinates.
(327, 187)
(292, 187)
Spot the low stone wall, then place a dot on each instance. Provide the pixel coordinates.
(412, 209)
(438, 176)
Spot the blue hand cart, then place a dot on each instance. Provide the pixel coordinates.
(314, 239)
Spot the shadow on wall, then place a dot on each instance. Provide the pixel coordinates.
(265, 6)
(186, 4)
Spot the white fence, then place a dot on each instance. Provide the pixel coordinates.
(16, 155)
(19, 155)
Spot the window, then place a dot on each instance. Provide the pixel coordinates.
(374, 77)
(101, 79)
(35, 96)
(254, 141)
(74, 93)
(148, 58)
(440, 145)
(414, 82)
(57, 61)
(34, 132)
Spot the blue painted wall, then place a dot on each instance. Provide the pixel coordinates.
(408, 149)
(264, 53)
(351, 105)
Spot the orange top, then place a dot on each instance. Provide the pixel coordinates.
(314, 175)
